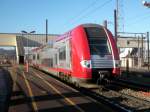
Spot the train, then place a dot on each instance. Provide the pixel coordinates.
(81, 55)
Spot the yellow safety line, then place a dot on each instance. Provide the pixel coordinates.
(30, 94)
(67, 99)
(14, 78)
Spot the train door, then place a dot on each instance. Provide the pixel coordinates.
(62, 56)
(55, 60)
(68, 55)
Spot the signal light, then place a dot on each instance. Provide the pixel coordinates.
(145, 3)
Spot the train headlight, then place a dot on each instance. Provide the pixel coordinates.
(86, 63)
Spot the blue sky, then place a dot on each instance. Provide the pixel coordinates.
(63, 15)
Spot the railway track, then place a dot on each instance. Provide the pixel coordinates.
(117, 100)
(132, 85)
(94, 96)
(105, 100)
(122, 99)
(45, 78)
(127, 95)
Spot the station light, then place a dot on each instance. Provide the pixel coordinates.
(27, 32)
(24, 31)
(27, 60)
(32, 32)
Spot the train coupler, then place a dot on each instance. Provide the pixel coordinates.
(102, 76)
(100, 80)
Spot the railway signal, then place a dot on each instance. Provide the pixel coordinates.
(146, 4)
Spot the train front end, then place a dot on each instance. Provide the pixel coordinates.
(103, 52)
(94, 53)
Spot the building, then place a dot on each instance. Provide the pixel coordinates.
(133, 51)
(23, 43)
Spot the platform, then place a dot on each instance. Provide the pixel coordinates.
(36, 91)
(5, 90)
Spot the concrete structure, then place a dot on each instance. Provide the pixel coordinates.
(130, 42)
(23, 42)
(10, 40)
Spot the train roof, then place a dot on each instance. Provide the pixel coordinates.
(67, 34)
(91, 25)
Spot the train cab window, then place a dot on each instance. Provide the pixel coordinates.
(62, 53)
(98, 42)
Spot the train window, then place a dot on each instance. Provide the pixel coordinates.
(33, 56)
(95, 32)
(62, 53)
(48, 62)
(99, 49)
(55, 59)
(98, 41)
(38, 56)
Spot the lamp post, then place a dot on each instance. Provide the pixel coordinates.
(27, 58)
(147, 4)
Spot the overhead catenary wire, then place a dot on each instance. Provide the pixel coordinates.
(87, 13)
(83, 10)
(93, 11)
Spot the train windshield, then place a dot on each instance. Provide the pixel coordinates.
(98, 42)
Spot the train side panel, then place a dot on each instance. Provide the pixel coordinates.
(80, 54)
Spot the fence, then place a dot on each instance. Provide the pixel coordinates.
(135, 50)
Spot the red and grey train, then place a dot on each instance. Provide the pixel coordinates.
(80, 55)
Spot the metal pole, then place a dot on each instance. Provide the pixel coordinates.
(27, 46)
(127, 64)
(142, 52)
(27, 61)
(117, 15)
(46, 30)
(148, 48)
(115, 25)
(138, 52)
